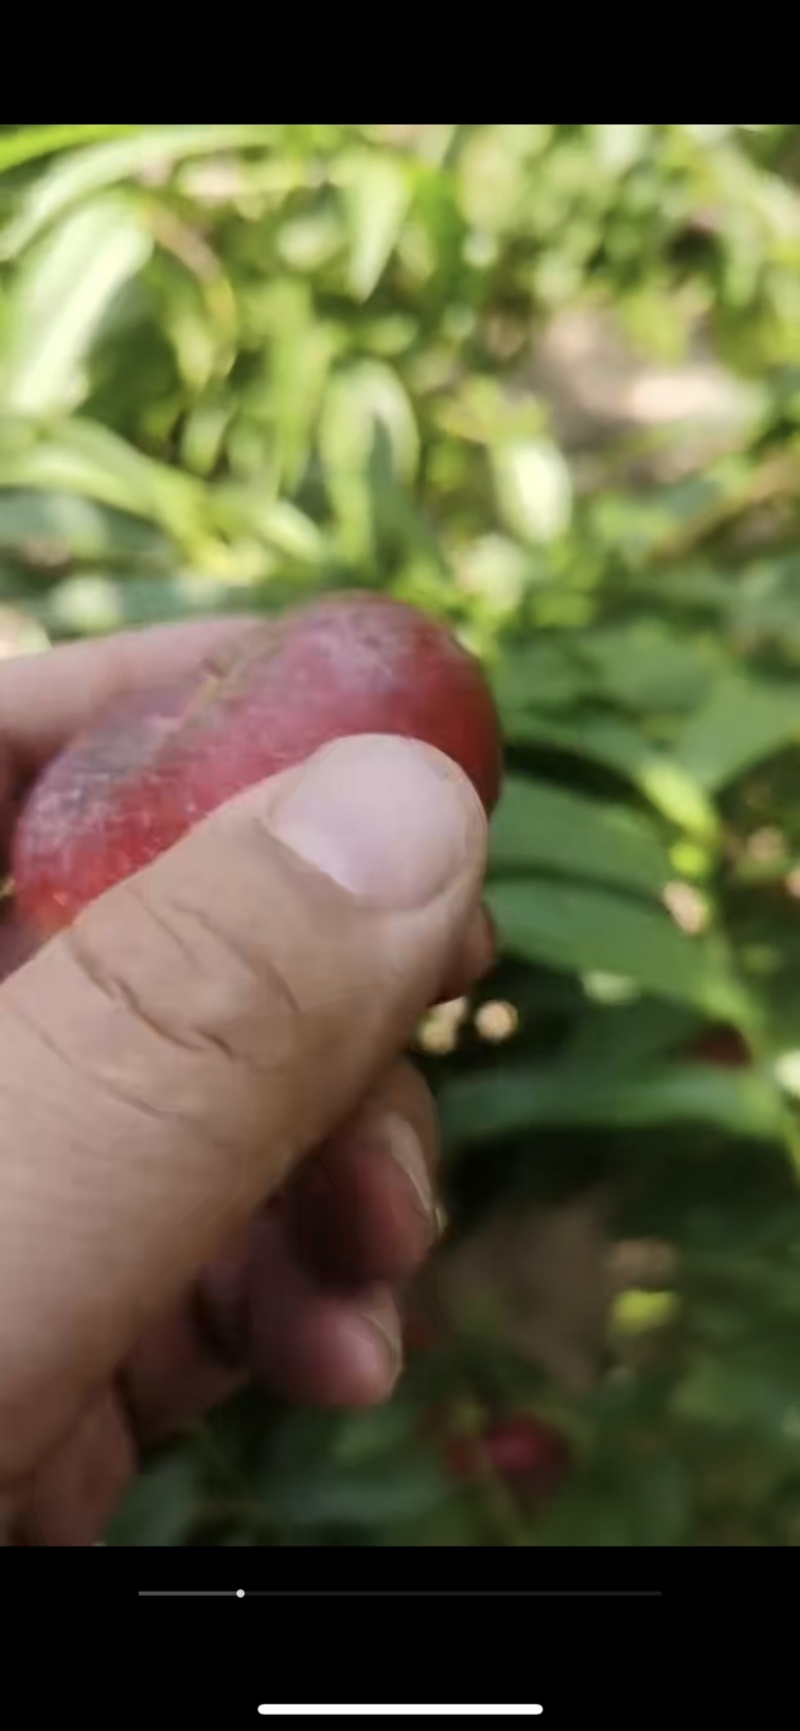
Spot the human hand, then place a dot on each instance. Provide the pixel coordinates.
(214, 1164)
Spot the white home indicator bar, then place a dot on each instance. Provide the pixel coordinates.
(398, 1712)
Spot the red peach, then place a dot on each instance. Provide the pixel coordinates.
(154, 766)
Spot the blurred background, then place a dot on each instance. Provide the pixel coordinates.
(543, 381)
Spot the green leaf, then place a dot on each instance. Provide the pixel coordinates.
(370, 447)
(587, 1517)
(491, 182)
(247, 510)
(159, 1508)
(303, 356)
(624, 1500)
(83, 457)
(619, 147)
(374, 1434)
(541, 826)
(642, 667)
(604, 739)
(590, 931)
(58, 527)
(745, 721)
(32, 141)
(542, 675)
(59, 302)
(91, 603)
(751, 1389)
(360, 400)
(378, 192)
(363, 1496)
(659, 1493)
(621, 1039)
(510, 1100)
(103, 165)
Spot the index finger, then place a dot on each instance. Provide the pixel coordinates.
(46, 699)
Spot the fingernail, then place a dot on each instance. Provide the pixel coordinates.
(406, 1150)
(384, 817)
(383, 1325)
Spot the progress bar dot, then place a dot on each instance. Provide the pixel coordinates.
(240, 1594)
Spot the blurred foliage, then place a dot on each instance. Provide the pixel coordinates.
(242, 363)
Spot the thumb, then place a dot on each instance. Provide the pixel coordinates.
(166, 1061)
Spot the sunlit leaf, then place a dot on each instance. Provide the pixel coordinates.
(86, 458)
(369, 446)
(360, 401)
(620, 146)
(105, 165)
(304, 352)
(378, 191)
(59, 302)
(491, 182)
(534, 489)
(30, 142)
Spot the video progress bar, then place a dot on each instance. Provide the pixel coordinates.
(393, 1593)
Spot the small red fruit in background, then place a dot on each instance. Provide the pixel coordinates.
(152, 768)
(522, 1450)
(723, 1047)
